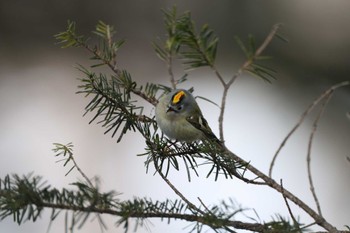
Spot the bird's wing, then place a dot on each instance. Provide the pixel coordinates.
(200, 123)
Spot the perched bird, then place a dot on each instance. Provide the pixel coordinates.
(179, 117)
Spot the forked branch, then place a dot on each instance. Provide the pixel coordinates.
(244, 67)
(324, 95)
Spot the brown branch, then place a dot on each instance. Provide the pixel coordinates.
(302, 118)
(152, 101)
(273, 184)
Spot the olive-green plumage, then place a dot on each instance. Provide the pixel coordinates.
(179, 117)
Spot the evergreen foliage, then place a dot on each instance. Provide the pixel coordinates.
(25, 198)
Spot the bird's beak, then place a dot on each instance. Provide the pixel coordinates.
(170, 109)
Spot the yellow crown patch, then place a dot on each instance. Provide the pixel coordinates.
(178, 96)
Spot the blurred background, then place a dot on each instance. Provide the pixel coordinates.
(39, 106)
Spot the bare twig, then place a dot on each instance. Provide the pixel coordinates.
(288, 207)
(268, 39)
(308, 158)
(302, 118)
(204, 205)
(190, 204)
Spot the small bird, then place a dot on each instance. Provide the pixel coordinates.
(179, 117)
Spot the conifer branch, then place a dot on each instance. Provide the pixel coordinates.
(25, 198)
(106, 55)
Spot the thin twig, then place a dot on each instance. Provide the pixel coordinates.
(308, 158)
(190, 204)
(71, 157)
(268, 39)
(308, 225)
(288, 207)
(218, 75)
(302, 118)
(204, 205)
